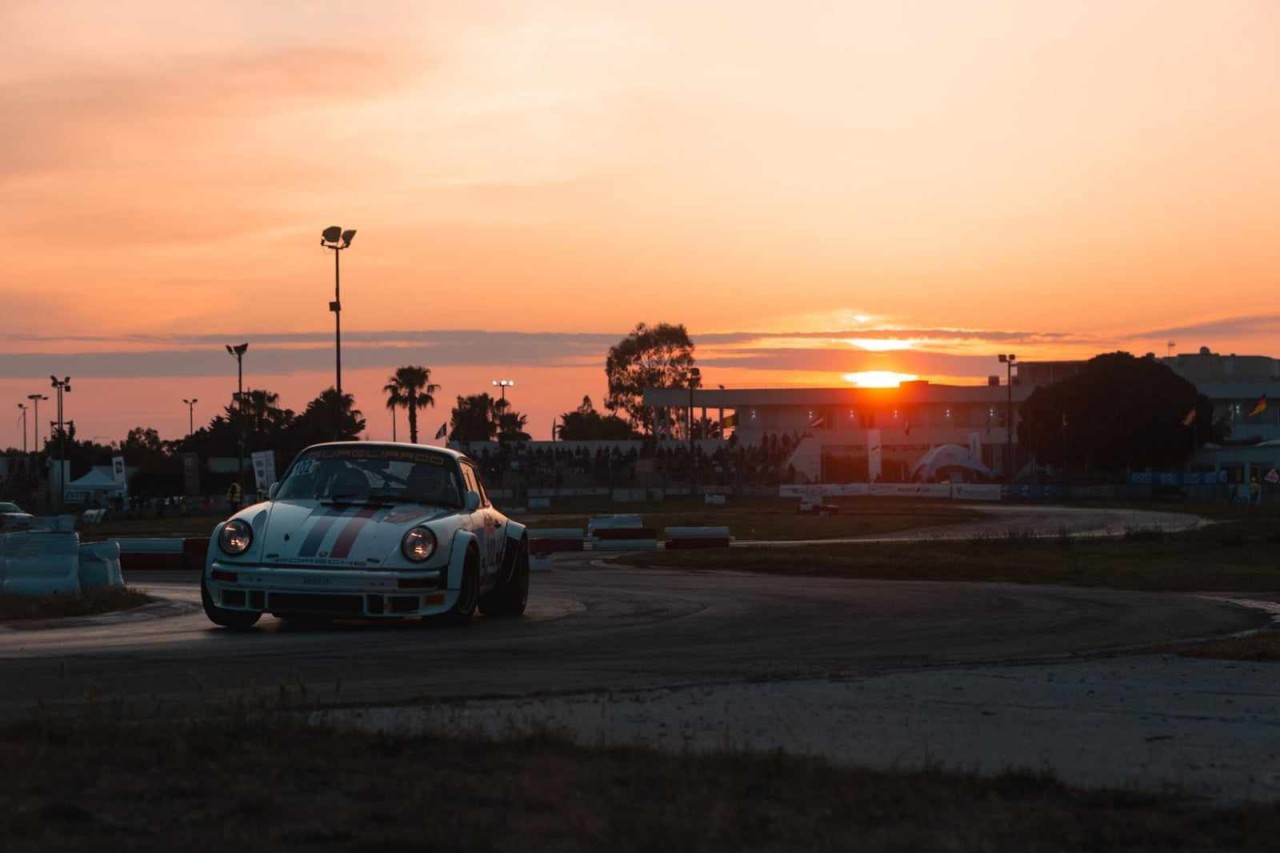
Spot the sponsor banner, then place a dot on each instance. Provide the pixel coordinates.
(119, 474)
(874, 455)
(976, 491)
(264, 468)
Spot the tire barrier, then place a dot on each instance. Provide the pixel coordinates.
(100, 564)
(552, 541)
(696, 537)
(163, 555)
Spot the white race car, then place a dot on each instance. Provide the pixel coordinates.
(368, 530)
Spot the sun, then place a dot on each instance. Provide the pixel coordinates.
(879, 378)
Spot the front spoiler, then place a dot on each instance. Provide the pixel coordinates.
(329, 592)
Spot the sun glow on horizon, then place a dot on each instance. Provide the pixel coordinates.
(881, 344)
(879, 378)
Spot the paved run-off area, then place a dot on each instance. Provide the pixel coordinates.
(1212, 727)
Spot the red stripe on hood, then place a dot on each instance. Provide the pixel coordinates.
(347, 537)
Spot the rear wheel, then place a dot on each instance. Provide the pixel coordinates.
(509, 600)
(238, 620)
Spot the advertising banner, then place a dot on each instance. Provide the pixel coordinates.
(264, 468)
(119, 474)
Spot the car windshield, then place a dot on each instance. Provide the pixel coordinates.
(5, 506)
(357, 474)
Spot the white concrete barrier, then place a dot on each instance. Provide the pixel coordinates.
(100, 564)
(626, 521)
(38, 564)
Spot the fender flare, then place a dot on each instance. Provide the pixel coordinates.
(462, 541)
(515, 532)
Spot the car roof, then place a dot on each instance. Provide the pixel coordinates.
(400, 444)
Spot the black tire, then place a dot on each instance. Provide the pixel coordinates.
(237, 620)
(468, 596)
(509, 600)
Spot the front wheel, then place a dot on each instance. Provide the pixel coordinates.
(510, 599)
(468, 594)
(237, 620)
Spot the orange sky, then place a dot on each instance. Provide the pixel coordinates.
(1054, 179)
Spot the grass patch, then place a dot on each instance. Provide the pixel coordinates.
(89, 602)
(776, 518)
(1237, 555)
(163, 785)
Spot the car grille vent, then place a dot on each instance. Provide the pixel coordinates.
(306, 602)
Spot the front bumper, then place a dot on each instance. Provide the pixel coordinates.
(329, 592)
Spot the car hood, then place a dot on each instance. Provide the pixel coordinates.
(309, 533)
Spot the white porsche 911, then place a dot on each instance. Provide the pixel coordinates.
(368, 530)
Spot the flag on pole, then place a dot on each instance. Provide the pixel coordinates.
(1190, 418)
(729, 421)
(816, 422)
(443, 431)
(1259, 407)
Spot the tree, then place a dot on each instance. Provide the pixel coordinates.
(510, 423)
(1119, 412)
(472, 419)
(315, 424)
(410, 388)
(660, 356)
(586, 424)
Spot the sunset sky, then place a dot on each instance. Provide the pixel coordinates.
(813, 189)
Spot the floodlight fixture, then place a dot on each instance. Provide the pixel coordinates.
(332, 234)
(347, 237)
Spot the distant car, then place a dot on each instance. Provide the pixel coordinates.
(12, 518)
(369, 530)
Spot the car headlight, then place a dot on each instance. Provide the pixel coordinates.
(235, 537)
(418, 544)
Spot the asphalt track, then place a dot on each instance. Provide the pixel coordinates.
(592, 626)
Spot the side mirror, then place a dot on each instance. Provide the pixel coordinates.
(471, 502)
(271, 492)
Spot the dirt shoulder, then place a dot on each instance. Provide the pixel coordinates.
(91, 602)
(239, 785)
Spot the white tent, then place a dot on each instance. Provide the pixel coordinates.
(98, 485)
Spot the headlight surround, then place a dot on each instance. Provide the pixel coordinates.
(235, 537)
(418, 544)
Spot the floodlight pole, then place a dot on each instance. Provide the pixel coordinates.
(1009, 361)
(237, 352)
(62, 386)
(336, 239)
(191, 416)
(23, 407)
(35, 399)
(695, 377)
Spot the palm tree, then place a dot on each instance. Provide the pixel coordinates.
(410, 387)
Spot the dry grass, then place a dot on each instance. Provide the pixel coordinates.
(1234, 555)
(87, 603)
(776, 518)
(239, 786)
